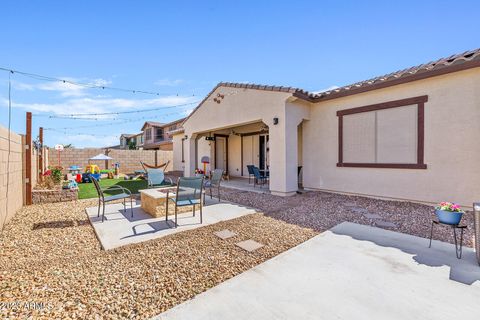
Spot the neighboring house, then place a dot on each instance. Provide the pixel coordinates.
(126, 139)
(411, 134)
(158, 136)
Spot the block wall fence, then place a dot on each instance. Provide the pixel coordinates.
(129, 160)
(13, 179)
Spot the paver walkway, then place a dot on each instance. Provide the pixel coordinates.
(351, 271)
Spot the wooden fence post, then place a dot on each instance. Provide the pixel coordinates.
(28, 160)
(40, 155)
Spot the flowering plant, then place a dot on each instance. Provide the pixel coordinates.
(448, 206)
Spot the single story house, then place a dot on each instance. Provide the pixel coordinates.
(411, 134)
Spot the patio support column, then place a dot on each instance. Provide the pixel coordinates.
(284, 149)
(190, 153)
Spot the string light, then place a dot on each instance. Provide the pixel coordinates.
(84, 116)
(117, 123)
(80, 84)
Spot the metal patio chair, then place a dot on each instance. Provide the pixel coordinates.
(156, 178)
(102, 199)
(250, 172)
(214, 182)
(189, 193)
(259, 178)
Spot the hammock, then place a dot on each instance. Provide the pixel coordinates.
(145, 166)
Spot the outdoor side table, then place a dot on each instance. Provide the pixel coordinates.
(458, 244)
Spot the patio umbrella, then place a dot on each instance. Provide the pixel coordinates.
(101, 156)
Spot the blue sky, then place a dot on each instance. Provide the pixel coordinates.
(181, 49)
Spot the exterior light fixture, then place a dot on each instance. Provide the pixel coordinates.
(275, 121)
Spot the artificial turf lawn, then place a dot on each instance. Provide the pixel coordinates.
(87, 190)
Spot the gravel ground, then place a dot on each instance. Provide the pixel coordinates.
(321, 211)
(49, 254)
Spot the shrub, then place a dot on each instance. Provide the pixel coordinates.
(56, 174)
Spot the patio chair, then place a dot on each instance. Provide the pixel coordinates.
(250, 172)
(259, 178)
(156, 177)
(189, 193)
(214, 182)
(102, 199)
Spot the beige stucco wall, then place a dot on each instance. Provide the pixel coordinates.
(177, 165)
(246, 106)
(452, 153)
(15, 179)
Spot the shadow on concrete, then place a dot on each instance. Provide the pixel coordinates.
(465, 270)
(59, 224)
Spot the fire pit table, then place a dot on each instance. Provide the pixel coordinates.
(152, 198)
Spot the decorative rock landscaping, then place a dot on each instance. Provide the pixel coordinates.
(49, 253)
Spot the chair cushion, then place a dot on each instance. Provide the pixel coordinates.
(191, 202)
(117, 197)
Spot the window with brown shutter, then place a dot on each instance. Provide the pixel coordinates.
(384, 135)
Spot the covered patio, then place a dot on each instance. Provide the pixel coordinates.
(236, 127)
(239, 183)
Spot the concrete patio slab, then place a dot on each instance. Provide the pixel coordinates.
(120, 229)
(349, 272)
(242, 184)
(225, 234)
(249, 245)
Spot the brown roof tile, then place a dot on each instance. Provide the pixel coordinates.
(453, 63)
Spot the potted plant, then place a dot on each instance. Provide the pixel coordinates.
(449, 213)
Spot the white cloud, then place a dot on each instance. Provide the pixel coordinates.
(326, 89)
(169, 82)
(65, 89)
(187, 112)
(101, 104)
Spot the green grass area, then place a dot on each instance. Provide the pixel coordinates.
(87, 190)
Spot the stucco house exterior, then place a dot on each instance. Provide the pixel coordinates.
(158, 136)
(126, 139)
(409, 135)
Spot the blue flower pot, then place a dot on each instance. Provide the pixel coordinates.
(449, 217)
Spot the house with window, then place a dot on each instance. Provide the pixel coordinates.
(409, 135)
(158, 136)
(128, 141)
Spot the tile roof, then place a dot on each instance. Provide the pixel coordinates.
(453, 63)
(456, 62)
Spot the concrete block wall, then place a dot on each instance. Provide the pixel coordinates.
(129, 160)
(15, 177)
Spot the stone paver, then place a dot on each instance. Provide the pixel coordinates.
(225, 234)
(349, 204)
(358, 210)
(372, 216)
(385, 224)
(249, 245)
